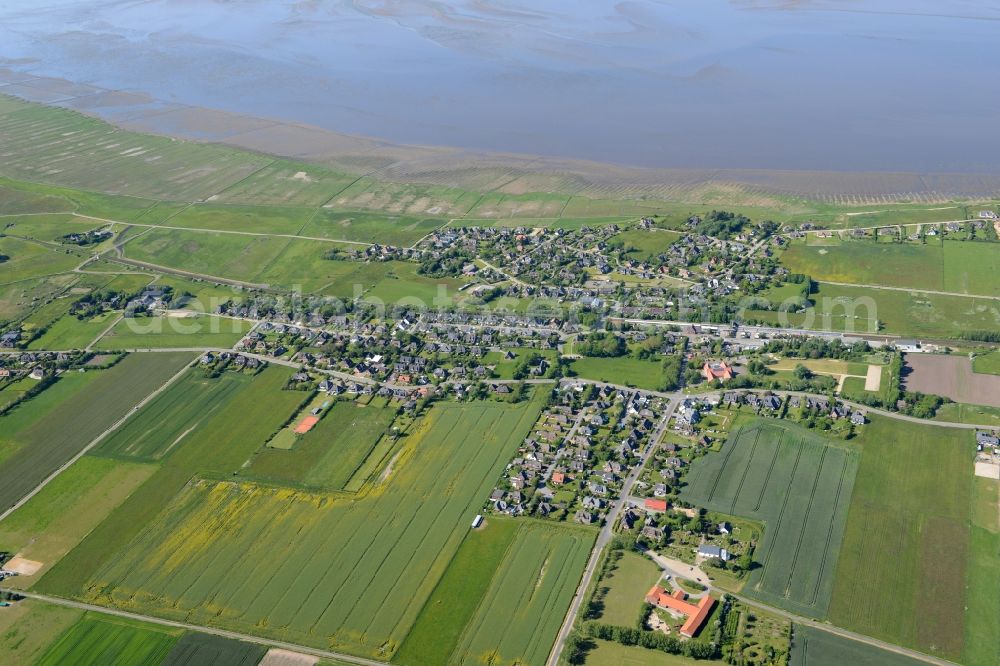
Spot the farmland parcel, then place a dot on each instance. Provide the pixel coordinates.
(346, 572)
(50, 440)
(799, 485)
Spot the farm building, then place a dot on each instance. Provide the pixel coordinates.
(677, 602)
(717, 370)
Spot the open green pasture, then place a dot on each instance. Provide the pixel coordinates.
(799, 485)
(902, 568)
(331, 453)
(627, 585)
(98, 640)
(29, 627)
(988, 363)
(68, 332)
(368, 227)
(953, 266)
(349, 573)
(287, 183)
(49, 440)
(907, 313)
(626, 370)
(641, 244)
(254, 219)
(982, 604)
(48, 227)
(518, 619)
(49, 144)
(170, 417)
(31, 259)
(165, 332)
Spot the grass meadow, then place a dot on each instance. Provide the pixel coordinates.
(799, 485)
(624, 370)
(988, 363)
(627, 585)
(310, 568)
(902, 568)
(955, 266)
(60, 432)
(68, 332)
(982, 603)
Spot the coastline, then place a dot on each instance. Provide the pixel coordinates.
(486, 172)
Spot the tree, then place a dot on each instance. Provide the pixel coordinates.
(802, 372)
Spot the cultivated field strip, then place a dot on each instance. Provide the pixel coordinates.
(799, 485)
(521, 613)
(325, 570)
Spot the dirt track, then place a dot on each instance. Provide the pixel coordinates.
(951, 377)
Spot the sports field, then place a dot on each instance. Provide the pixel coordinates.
(99, 640)
(522, 611)
(799, 485)
(902, 568)
(170, 417)
(349, 573)
(48, 440)
(329, 454)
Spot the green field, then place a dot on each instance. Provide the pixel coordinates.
(68, 332)
(174, 332)
(67, 427)
(799, 485)
(61, 514)
(29, 259)
(987, 363)
(219, 445)
(331, 453)
(955, 266)
(814, 647)
(399, 230)
(171, 416)
(195, 649)
(29, 627)
(957, 412)
(982, 614)
(911, 313)
(627, 585)
(641, 244)
(518, 619)
(349, 573)
(902, 568)
(624, 370)
(455, 598)
(99, 640)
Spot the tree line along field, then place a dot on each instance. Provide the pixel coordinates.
(964, 267)
(330, 454)
(799, 485)
(309, 568)
(902, 571)
(51, 428)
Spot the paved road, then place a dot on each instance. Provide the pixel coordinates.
(94, 442)
(606, 534)
(324, 654)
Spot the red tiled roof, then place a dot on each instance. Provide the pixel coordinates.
(697, 613)
(656, 504)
